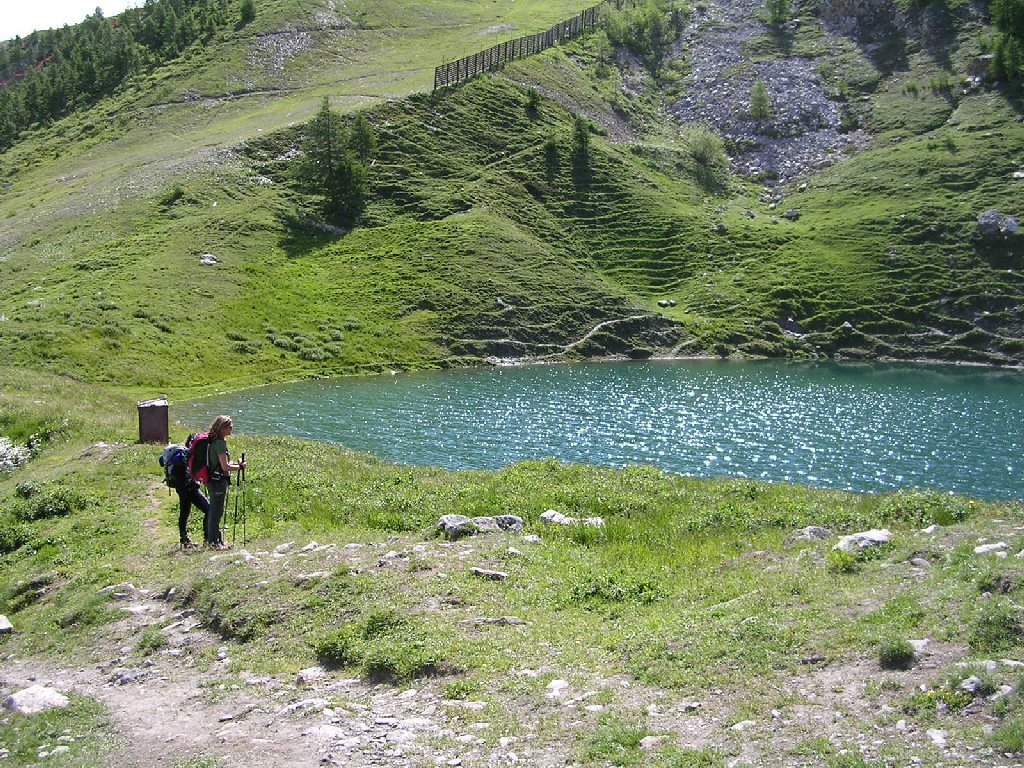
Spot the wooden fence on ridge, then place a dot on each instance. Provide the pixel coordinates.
(496, 55)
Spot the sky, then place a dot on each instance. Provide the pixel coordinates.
(22, 17)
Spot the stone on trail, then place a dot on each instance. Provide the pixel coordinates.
(6, 627)
(492, 575)
(310, 675)
(35, 699)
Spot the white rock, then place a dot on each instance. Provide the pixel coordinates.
(984, 549)
(282, 548)
(920, 646)
(35, 699)
(556, 688)
(310, 675)
(857, 542)
(648, 743)
(938, 737)
(553, 517)
(743, 725)
(5, 626)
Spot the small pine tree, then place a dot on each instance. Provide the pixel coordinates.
(248, 11)
(760, 104)
(581, 136)
(778, 11)
(363, 139)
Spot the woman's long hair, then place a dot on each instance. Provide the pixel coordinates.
(220, 424)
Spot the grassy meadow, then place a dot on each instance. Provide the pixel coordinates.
(692, 588)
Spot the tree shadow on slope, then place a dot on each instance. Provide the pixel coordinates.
(303, 234)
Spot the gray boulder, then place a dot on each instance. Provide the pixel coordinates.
(858, 542)
(992, 223)
(456, 526)
(486, 524)
(510, 523)
(35, 699)
(810, 533)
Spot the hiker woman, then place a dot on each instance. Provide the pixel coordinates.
(220, 466)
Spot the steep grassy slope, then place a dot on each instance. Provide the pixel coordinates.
(488, 234)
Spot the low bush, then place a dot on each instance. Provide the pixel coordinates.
(52, 501)
(386, 647)
(998, 627)
(895, 653)
(1009, 737)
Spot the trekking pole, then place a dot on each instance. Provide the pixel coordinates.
(234, 520)
(242, 491)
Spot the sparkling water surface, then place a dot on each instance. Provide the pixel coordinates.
(859, 427)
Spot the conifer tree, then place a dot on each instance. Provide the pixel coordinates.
(331, 168)
(760, 105)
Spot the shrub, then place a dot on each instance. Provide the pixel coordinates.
(895, 653)
(387, 646)
(839, 561)
(460, 689)
(1009, 737)
(151, 641)
(617, 588)
(12, 536)
(778, 11)
(339, 648)
(998, 627)
(532, 101)
(711, 163)
(925, 508)
(926, 703)
(172, 196)
(52, 501)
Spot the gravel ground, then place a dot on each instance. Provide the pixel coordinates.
(802, 133)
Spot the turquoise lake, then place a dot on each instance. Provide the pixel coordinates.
(858, 427)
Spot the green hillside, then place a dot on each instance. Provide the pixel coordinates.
(486, 235)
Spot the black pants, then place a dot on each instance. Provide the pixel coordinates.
(188, 495)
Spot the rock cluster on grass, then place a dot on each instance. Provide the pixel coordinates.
(12, 456)
(454, 527)
(993, 224)
(554, 517)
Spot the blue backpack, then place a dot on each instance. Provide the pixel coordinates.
(174, 460)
